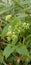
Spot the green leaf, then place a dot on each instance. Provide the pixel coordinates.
(4, 31)
(22, 50)
(1, 59)
(4, 10)
(1, 56)
(8, 50)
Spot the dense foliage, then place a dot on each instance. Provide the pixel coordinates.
(15, 32)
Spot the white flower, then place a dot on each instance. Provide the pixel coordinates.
(14, 36)
(13, 32)
(8, 38)
(9, 33)
(8, 17)
(9, 28)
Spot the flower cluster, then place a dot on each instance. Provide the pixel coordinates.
(26, 25)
